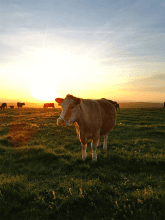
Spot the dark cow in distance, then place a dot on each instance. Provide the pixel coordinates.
(114, 103)
(92, 119)
(11, 106)
(3, 106)
(19, 104)
(48, 105)
(117, 106)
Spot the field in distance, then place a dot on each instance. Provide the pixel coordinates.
(122, 105)
(141, 105)
(43, 177)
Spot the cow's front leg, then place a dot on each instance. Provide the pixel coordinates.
(105, 142)
(99, 142)
(94, 148)
(84, 147)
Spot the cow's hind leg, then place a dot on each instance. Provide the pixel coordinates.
(84, 147)
(105, 142)
(94, 148)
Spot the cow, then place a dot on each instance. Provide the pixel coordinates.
(117, 106)
(114, 103)
(19, 104)
(3, 106)
(92, 119)
(47, 105)
(11, 106)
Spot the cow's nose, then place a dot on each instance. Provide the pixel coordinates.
(60, 122)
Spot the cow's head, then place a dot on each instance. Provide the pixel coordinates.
(70, 111)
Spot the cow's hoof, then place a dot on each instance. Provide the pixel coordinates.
(104, 147)
(94, 158)
(84, 157)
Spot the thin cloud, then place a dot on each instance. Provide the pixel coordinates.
(152, 83)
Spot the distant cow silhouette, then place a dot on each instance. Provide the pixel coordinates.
(47, 105)
(3, 106)
(114, 103)
(19, 104)
(117, 106)
(11, 106)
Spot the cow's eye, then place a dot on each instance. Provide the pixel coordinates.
(72, 106)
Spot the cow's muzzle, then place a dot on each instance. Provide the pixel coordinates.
(60, 122)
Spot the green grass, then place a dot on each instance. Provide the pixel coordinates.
(42, 175)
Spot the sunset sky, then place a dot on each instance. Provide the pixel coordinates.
(88, 48)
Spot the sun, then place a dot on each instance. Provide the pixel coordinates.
(44, 91)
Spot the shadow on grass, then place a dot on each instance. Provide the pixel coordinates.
(4, 142)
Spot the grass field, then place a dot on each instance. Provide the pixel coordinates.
(43, 177)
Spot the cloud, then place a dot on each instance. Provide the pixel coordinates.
(158, 77)
(154, 83)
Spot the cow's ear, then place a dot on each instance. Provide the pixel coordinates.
(78, 101)
(59, 100)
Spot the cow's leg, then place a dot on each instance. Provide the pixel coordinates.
(105, 142)
(99, 142)
(94, 148)
(84, 147)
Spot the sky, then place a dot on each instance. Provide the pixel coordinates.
(88, 48)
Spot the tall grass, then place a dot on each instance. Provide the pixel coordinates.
(42, 175)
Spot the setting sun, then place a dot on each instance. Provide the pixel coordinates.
(44, 91)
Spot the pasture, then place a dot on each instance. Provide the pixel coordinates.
(42, 175)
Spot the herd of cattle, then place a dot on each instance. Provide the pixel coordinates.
(47, 105)
(4, 105)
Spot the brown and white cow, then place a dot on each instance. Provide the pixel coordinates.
(92, 119)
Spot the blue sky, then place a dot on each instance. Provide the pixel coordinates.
(89, 48)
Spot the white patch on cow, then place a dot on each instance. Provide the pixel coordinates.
(65, 106)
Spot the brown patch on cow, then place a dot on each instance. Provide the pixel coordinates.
(77, 101)
(69, 112)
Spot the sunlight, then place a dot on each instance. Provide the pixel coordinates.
(44, 90)
(56, 73)
(53, 71)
